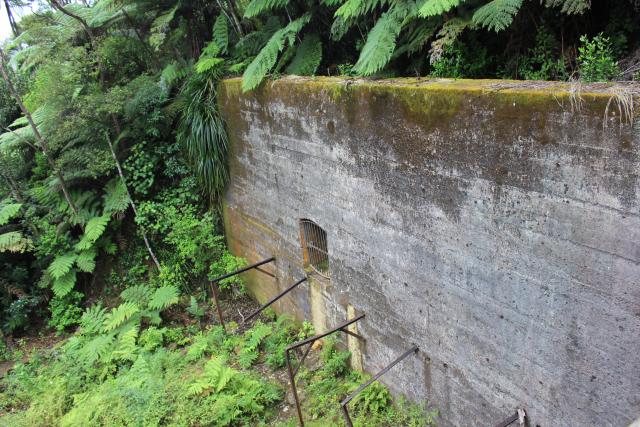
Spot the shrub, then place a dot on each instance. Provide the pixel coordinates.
(595, 59)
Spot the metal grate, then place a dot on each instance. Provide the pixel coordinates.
(314, 245)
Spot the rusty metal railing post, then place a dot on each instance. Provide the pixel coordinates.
(519, 416)
(309, 341)
(214, 284)
(345, 401)
(274, 299)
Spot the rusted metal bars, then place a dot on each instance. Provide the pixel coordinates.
(309, 341)
(345, 401)
(519, 416)
(315, 242)
(274, 299)
(214, 284)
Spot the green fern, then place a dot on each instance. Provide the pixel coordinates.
(92, 232)
(198, 347)
(216, 377)
(14, 241)
(61, 265)
(64, 284)
(119, 315)
(86, 260)
(93, 319)
(381, 42)
(140, 294)
(95, 349)
(570, 7)
(164, 297)
(257, 7)
(8, 212)
(250, 349)
(497, 15)
(355, 8)
(116, 198)
(267, 57)
(126, 348)
(221, 33)
(308, 56)
(437, 7)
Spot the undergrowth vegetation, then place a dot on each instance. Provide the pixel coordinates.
(113, 161)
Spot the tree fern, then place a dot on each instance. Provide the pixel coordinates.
(437, 7)
(119, 315)
(257, 7)
(14, 241)
(8, 212)
(86, 260)
(164, 297)
(570, 7)
(221, 33)
(126, 348)
(116, 199)
(61, 265)
(95, 349)
(267, 57)
(356, 8)
(308, 56)
(64, 284)
(381, 42)
(92, 232)
(497, 15)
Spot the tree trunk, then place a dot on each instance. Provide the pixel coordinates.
(40, 140)
(12, 19)
(85, 26)
(133, 204)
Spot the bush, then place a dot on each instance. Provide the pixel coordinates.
(595, 59)
(65, 311)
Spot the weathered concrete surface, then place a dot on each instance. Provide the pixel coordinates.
(491, 223)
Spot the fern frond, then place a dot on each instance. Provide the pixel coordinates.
(356, 8)
(497, 15)
(61, 265)
(126, 348)
(570, 7)
(381, 42)
(437, 7)
(8, 212)
(308, 56)
(98, 348)
(267, 57)
(119, 315)
(64, 284)
(116, 198)
(93, 319)
(15, 242)
(198, 347)
(447, 35)
(257, 7)
(92, 232)
(221, 33)
(86, 260)
(140, 294)
(216, 376)
(164, 297)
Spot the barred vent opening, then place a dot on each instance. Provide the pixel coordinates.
(314, 247)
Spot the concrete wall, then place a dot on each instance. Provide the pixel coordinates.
(495, 224)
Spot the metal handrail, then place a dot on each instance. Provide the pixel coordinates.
(345, 401)
(274, 299)
(214, 289)
(309, 341)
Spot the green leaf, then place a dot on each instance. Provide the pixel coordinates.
(205, 64)
(139, 294)
(64, 284)
(497, 15)
(268, 55)
(86, 260)
(437, 7)
(164, 297)
(221, 33)
(7, 212)
(257, 7)
(356, 8)
(14, 241)
(116, 199)
(61, 265)
(308, 56)
(92, 232)
(119, 315)
(381, 42)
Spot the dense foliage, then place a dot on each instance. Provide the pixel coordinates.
(113, 160)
